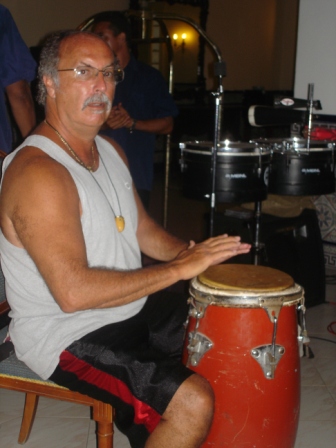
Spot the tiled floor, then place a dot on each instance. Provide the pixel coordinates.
(61, 425)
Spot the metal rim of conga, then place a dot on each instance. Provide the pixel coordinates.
(243, 299)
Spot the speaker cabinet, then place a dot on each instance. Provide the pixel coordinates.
(292, 245)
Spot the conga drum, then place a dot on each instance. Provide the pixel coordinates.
(242, 336)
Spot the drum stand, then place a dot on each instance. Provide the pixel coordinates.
(257, 246)
(220, 71)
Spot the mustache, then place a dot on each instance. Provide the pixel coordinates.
(98, 98)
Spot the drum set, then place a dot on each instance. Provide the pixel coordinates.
(246, 326)
(247, 172)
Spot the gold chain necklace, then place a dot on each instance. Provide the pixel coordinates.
(119, 219)
(72, 152)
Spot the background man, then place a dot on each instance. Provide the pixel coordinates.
(17, 69)
(84, 312)
(142, 107)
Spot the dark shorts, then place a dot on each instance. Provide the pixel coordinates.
(134, 365)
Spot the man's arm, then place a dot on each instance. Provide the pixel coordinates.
(32, 217)
(22, 105)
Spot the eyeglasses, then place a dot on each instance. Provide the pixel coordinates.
(111, 75)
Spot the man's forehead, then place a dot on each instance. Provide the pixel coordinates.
(88, 49)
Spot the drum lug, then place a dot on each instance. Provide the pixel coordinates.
(197, 310)
(198, 346)
(268, 357)
(272, 307)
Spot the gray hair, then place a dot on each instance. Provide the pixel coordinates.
(49, 60)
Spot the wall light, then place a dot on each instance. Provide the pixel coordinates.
(183, 41)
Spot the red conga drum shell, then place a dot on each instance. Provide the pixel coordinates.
(251, 409)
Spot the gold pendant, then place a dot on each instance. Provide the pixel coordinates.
(120, 223)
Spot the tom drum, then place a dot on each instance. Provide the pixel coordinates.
(299, 171)
(241, 171)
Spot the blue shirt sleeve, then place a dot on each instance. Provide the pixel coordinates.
(17, 62)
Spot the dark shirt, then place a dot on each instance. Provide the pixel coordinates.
(16, 64)
(144, 94)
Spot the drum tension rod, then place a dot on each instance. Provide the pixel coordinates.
(268, 356)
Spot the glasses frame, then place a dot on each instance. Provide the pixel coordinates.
(97, 71)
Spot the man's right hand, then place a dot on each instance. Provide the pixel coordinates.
(198, 257)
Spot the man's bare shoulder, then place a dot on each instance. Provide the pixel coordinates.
(33, 165)
(35, 188)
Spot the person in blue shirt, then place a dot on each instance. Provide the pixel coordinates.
(142, 108)
(17, 70)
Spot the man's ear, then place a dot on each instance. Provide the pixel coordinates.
(121, 38)
(50, 86)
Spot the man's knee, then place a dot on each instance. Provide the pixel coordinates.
(194, 398)
(199, 394)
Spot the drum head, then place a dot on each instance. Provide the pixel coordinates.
(246, 278)
(225, 148)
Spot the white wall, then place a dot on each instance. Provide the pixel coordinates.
(36, 18)
(257, 39)
(316, 52)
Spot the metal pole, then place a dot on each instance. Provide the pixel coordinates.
(220, 68)
(310, 112)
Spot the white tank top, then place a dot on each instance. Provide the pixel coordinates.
(39, 329)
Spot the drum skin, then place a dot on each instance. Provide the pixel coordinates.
(251, 411)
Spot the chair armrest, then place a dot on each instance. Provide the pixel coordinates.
(4, 318)
(4, 307)
(6, 350)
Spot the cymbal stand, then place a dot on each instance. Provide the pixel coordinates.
(257, 246)
(220, 71)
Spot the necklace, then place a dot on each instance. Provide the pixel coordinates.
(72, 152)
(119, 219)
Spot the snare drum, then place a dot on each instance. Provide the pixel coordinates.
(242, 335)
(299, 171)
(241, 171)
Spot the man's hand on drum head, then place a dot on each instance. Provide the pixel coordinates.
(198, 257)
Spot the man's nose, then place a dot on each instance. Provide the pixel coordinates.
(100, 82)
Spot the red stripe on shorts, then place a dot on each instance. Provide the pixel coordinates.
(144, 414)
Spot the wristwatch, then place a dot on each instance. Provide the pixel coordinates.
(131, 129)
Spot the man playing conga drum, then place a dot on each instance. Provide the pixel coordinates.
(84, 312)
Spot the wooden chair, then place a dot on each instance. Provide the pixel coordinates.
(15, 375)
